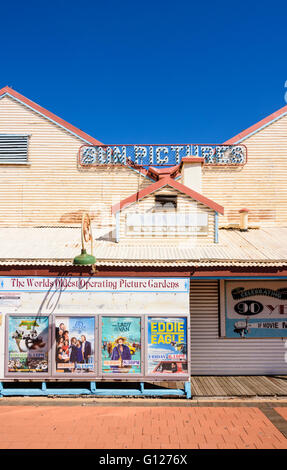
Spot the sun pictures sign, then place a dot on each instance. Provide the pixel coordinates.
(160, 155)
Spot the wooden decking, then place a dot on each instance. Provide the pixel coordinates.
(238, 386)
(233, 386)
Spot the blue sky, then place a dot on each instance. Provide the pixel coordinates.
(148, 72)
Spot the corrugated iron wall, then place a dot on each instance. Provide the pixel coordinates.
(212, 355)
(50, 189)
(260, 185)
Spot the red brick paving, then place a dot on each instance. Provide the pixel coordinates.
(282, 412)
(106, 427)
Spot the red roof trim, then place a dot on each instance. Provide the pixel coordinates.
(257, 126)
(167, 182)
(57, 120)
(192, 160)
(163, 172)
(49, 115)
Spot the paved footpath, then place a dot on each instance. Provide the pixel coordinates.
(148, 425)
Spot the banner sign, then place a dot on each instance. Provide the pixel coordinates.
(28, 344)
(93, 284)
(121, 345)
(256, 309)
(167, 346)
(160, 155)
(75, 339)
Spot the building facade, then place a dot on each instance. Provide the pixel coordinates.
(190, 274)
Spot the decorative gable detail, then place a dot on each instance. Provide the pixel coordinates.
(167, 211)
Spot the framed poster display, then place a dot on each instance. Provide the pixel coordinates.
(27, 345)
(167, 346)
(121, 345)
(74, 339)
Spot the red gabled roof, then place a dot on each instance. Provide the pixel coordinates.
(160, 184)
(257, 126)
(9, 91)
(158, 173)
(69, 127)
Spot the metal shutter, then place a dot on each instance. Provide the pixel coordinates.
(211, 355)
(13, 148)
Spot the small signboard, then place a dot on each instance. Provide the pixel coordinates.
(256, 309)
(90, 284)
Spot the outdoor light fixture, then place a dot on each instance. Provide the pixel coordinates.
(84, 258)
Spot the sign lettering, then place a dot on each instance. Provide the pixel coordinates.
(160, 155)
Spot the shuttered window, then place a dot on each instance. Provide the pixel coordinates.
(13, 148)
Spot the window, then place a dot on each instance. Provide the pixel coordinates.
(170, 221)
(165, 202)
(13, 148)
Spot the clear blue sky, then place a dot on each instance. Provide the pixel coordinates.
(148, 71)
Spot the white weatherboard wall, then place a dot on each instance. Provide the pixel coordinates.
(212, 355)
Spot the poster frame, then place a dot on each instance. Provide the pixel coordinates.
(81, 375)
(118, 377)
(98, 374)
(20, 375)
(181, 377)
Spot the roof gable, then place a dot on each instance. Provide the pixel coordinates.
(173, 184)
(258, 126)
(7, 91)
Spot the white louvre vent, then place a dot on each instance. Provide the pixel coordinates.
(13, 148)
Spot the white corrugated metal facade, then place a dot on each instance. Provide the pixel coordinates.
(212, 355)
(43, 187)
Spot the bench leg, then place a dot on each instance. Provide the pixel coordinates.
(187, 388)
(93, 387)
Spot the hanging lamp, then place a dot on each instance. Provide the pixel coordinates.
(84, 258)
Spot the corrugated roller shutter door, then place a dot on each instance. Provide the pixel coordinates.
(13, 148)
(212, 355)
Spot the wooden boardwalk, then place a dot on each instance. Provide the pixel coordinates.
(239, 386)
(233, 386)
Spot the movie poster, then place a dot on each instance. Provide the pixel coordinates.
(75, 343)
(28, 344)
(167, 346)
(121, 345)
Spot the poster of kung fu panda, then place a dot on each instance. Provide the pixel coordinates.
(28, 344)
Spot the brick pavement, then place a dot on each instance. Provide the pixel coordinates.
(139, 427)
(282, 412)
